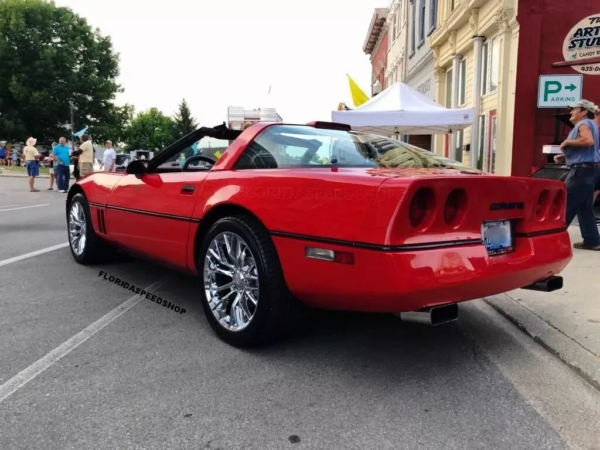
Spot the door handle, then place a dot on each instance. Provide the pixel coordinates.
(188, 189)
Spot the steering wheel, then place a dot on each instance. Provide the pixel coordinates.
(195, 158)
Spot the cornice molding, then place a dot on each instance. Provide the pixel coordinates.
(452, 41)
(503, 17)
(474, 21)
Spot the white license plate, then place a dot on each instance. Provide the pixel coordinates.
(497, 237)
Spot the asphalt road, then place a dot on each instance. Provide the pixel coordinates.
(145, 377)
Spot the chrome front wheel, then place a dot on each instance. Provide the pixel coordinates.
(231, 281)
(77, 228)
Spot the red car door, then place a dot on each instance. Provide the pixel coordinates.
(151, 215)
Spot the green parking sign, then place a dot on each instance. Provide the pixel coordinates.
(558, 91)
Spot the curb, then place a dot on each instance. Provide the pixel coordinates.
(571, 353)
(14, 175)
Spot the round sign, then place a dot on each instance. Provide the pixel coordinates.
(581, 48)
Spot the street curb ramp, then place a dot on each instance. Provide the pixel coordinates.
(581, 360)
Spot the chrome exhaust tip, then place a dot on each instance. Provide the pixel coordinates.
(547, 285)
(434, 316)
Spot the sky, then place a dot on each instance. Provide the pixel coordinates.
(217, 54)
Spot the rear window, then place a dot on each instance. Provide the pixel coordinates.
(284, 147)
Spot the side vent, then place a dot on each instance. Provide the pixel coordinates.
(101, 222)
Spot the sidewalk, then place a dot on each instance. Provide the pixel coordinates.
(567, 321)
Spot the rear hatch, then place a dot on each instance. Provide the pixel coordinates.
(466, 208)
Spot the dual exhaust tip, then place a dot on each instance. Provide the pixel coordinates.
(439, 315)
(434, 316)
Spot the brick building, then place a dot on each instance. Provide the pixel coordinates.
(376, 46)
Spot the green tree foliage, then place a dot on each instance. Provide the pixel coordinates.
(49, 56)
(115, 125)
(150, 130)
(184, 122)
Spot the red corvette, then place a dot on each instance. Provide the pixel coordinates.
(291, 215)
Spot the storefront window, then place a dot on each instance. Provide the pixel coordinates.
(484, 69)
(494, 64)
(480, 150)
(462, 80)
(449, 89)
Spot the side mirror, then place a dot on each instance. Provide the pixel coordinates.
(137, 168)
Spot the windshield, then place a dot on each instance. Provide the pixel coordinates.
(208, 147)
(284, 146)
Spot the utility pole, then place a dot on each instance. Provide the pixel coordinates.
(72, 107)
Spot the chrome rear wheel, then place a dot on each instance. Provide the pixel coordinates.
(231, 283)
(77, 228)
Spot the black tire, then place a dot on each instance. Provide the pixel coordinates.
(277, 313)
(95, 250)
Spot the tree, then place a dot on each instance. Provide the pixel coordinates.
(50, 57)
(150, 130)
(184, 122)
(115, 125)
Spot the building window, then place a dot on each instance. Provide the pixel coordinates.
(451, 6)
(494, 64)
(397, 20)
(482, 134)
(462, 82)
(421, 22)
(485, 51)
(412, 26)
(449, 89)
(394, 26)
(433, 4)
(400, 13)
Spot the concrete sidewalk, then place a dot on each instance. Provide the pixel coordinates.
(566, 322)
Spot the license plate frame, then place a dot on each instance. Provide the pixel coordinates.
(498, 237)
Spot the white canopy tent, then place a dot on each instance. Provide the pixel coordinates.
(401, 110)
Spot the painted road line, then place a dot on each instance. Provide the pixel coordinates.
(25, 376)
(25, 207)
(7, 206)
(32, 254)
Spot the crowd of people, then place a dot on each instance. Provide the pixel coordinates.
(581, 152)
(61, 159)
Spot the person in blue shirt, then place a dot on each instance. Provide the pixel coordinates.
(581, 153)
(60, 154)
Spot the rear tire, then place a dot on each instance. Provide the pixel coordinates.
(244, 294)
(86, 247)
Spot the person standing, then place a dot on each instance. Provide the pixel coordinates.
(86, 156)
(60, 154)
(109, 158)
(32, 155)
(3, 155)
(51, 169)
(582, 154)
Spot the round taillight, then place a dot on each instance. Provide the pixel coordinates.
(421, 207)
(542, 205)
(558, 205)
(455, 207)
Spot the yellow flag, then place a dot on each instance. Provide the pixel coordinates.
(358, 96)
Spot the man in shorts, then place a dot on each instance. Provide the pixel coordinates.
(31, 156)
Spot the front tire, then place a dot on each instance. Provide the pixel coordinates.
(86, 247)
(244, 294)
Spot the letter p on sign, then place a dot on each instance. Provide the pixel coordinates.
(551, 87)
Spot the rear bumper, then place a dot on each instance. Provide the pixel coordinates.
(407, 281)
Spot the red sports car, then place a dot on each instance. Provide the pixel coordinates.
(278, 217)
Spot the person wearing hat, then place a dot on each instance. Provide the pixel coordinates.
(32, 155)
(582, 154)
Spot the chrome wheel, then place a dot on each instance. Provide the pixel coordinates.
(231, 281)
(77, 235)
